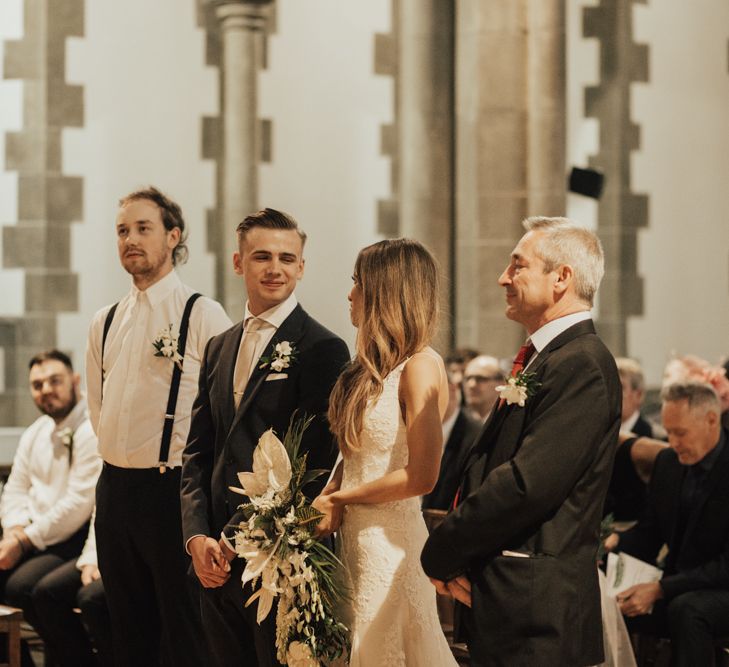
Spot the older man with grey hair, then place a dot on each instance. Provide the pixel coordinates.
(519, 550)
(686, 510)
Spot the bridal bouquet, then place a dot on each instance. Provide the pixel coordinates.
(284, 559)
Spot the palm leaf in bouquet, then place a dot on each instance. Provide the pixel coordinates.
(284, 560)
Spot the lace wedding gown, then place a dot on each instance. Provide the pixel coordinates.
(392, 612)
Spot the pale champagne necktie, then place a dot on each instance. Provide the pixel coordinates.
(246, 358)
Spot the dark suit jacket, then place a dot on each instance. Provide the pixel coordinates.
(698, 556)
(536, 485)
(463, 435)
(221, 440)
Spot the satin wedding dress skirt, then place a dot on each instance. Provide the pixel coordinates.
(392, 611)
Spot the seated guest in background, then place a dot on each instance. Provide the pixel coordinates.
(75, 584)
(481, 377)
(633, 383)
(47, 501)
(456, 362)
(686, 509)
(632, 470)
(459, 432)
(691, 368)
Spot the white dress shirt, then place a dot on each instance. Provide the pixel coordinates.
(137, 383)
(88, 554)
(270, 321)
(50, 498)
(629, 423)
(547, 333)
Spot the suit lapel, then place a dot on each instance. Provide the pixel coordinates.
(493, 427)
(228, 356)
(291, 330)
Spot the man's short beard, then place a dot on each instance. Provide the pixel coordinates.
(65, 410)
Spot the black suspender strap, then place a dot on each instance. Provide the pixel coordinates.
(107, 326)
(164, 449)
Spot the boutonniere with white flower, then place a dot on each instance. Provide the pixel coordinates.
(518, 389)
(66, 437)
(166, 345)
(283, 355)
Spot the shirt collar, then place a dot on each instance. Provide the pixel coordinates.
(548, 332)
(274, 316)
(74, 418)
(160, 290)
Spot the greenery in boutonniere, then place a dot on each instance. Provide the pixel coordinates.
(518, 388)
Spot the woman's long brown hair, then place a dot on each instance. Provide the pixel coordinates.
(399, 283)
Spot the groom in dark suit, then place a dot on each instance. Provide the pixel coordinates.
(520, 549)
(253, 377)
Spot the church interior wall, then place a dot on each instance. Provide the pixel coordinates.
(147, 88)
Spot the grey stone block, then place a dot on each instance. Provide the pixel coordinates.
(51, 292)
(36, 246)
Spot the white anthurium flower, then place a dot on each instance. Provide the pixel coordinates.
(512, 392)
(271, 468)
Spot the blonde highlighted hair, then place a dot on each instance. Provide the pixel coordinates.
(399, 283)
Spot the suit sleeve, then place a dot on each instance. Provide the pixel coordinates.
(645, 539)
(320, 369)
(197, 462)
(570, 417)
(713, 574)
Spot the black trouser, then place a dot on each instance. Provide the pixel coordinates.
(692, 621)
(63, 630)
(153, 603)
(16, 585)
(233, 636)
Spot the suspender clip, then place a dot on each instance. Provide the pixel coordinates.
(162, 467)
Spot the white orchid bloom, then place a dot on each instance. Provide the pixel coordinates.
(284, 348)
(271, 468)
(267, 591)
(512, 392)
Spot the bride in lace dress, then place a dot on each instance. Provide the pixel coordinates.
(386, 411)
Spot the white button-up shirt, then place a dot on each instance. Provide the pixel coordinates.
(136, 382)
(48, 495)
(270, 322)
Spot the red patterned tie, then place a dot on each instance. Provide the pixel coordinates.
(522, 358)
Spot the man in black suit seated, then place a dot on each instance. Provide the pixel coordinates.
(686, 510)
(459, 433)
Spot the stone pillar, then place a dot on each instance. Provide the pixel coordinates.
(621, 212)
(510, 148)
(49, 201)
(242, 25)
(425, 118)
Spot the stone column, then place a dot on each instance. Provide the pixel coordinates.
(242, 25)
(510, 148)
(621, 211)
(49, 201)
(425, 94)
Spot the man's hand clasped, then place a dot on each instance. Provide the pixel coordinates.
(210, 561)
(458, 588)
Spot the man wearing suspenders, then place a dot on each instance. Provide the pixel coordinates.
(142, 364)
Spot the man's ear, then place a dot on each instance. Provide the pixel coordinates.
(563, 279)
(238, 263)
(173, 238)
(76, 379)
